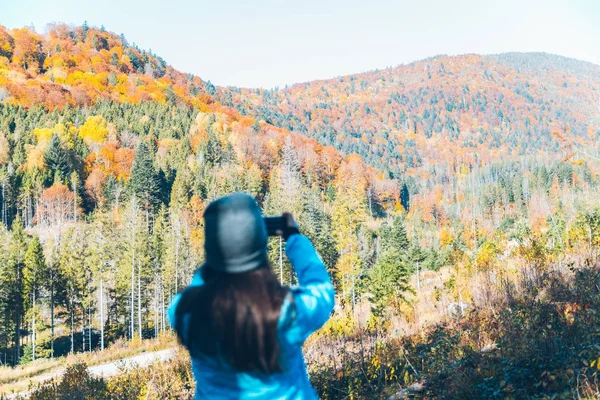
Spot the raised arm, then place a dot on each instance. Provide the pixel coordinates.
(314, 298)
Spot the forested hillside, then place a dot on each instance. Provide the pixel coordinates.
(474, 187)
(109, 156)
(465, 110)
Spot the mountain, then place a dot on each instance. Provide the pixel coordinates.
(78, 66)
(468, 109)
(101, 73)
(109, 157)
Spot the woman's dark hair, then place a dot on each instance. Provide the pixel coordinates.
(234, 316)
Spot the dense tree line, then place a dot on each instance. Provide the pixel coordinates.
(108, 157)
(102, 215)
(472, 108)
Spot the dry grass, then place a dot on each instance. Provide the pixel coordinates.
(162, 380)
(17, 379)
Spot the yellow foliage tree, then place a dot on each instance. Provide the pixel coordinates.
(94, 130)
(66, 134)
(445, 236)
(486, 255)
(349, 212)
(43, 135)
(35, 158)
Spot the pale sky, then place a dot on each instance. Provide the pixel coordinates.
(268, 43)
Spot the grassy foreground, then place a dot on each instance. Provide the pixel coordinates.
(18, 379)
(540, 337)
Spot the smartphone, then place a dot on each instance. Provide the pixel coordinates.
(275, 225)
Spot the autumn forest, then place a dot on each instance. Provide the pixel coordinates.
(454, 201)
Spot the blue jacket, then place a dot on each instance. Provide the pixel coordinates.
(313, 301)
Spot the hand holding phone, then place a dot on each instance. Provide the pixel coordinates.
(284, 225)
(275, 225)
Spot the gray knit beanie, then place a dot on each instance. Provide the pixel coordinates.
(235, 234)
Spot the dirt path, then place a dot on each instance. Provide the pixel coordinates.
(141, 360)
(108, 369)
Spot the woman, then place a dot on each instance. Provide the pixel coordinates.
(245, 331)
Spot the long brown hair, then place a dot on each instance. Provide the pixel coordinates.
(234, 316)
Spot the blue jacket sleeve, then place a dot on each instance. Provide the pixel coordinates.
(314, 298)
(196, 281)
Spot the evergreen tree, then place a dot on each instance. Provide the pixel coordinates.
(16, 259)
(144, 183)
(388, 281)
(316, 225)
(405, 197)
(157, 256)
(110, 189)
(7, 289)
(114, 60)
(84, 31)
(393, 236)
(5, 192)
(74, 278)
(58, 160)
(33, 275)
(210, 88)
(181, 191)
(214, 150)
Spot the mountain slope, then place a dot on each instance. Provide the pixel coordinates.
(467, 109)
(110, 156)
(92, 69)
(78, 66)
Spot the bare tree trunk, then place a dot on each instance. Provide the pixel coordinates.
(82, 328)
(52, 310)
(132, 317)
(134, 211)
(71, 309)
(29, 211)
(162, 305)
(280, 261)
(18, 316)
(33, 325)
(155, 303)
(139, 300)
(101, 314)
(90, 326)
(353, 292)
(75, 202)
(37, 207)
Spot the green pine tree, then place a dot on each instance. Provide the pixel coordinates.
(144, 182)
(17, 251)
(7, 289)
(393, 236)
(33, 275)
(181, 190)
(57, 159)
(388, 281)
(33, 271)
(405, 197)
(84, 31)
(110, 189)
